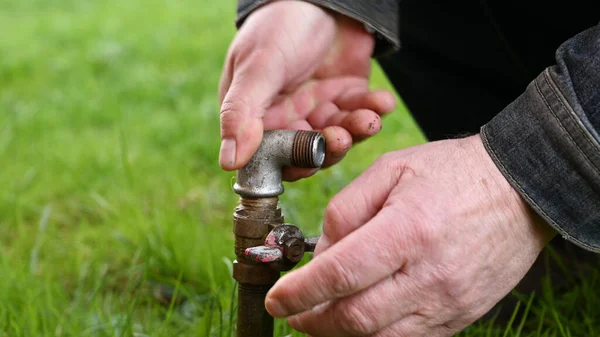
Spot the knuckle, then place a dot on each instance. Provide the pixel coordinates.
(334, 218)
(391, 162)
(304, 300)
(385, 159)
(456, 296)
(397, 163)
(232, 114)
(343, 282)
(445, 329)
(354, 320)
(421, 234)
(241, 50)
(452, 290)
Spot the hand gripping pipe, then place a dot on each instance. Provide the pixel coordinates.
(264, 246)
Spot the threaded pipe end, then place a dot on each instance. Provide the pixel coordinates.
(308, 149)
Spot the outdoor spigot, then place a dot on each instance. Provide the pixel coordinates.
(258, 223)
(284, 247)
(261, 177)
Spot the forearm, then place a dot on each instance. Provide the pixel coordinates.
(546, 142)
(379, 17)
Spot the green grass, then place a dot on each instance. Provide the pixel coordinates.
(109, 137)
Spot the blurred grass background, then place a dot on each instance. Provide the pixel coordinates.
(110, 188)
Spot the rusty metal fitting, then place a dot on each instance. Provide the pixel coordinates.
(261, 177)
(253, 219)
(284, 247)
(293, 250)
(311, 243)
(257, 221)
(259, 274)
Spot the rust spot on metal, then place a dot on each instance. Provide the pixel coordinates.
(264, 254)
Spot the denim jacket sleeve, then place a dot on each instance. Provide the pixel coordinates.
(379, 16)
(547, 143)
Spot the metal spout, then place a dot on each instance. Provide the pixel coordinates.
(261, 177)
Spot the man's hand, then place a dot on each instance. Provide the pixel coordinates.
(295, 65)
(423, 243)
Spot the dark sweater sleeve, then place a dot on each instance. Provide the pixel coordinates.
(379, 17)
(546, 142)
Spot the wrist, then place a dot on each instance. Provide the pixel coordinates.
(521, 217)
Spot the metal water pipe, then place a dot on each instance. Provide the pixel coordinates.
(264, 245)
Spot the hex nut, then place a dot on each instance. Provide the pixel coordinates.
(293, 249)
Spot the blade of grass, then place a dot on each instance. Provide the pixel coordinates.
(511, 320)
(525, 315)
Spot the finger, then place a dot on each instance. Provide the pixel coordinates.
(338, 143)
(411, 326)
(320, 117)
(338, 140)
(364, 313)
(415, 326)
(351, 265)
(357, 203)
(257, 79)
(380, 101)
(301, 102)
(360, 124)
(352, 97)
(296, 173)
(300, 125)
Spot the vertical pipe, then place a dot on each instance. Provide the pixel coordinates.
(259, 185)
(253, 318)
(253, 219)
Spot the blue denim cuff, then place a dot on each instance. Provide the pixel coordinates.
(549, 152)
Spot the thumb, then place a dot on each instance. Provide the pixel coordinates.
(257, 77)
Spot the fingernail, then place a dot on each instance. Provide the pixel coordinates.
(227, 155)
(275, 308)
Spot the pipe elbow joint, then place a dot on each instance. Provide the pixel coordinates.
(262, 177)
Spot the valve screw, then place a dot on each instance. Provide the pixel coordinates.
(294, 249)
(284, 247)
